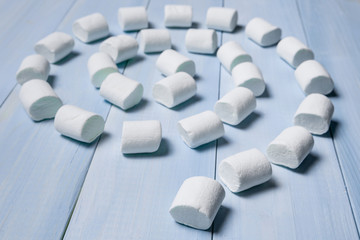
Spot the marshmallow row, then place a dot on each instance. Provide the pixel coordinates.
(262, 32)
(33, 67)
(177, 15)
(249, 75)
(201, 41)
(293, 51)
(170, 62)
(155, 40)
(100, 65)
(91, 27)
(231, 54)
(120, 48)
(223, 19)
(132, 18)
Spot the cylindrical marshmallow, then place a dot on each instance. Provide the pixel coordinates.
(315, 113)
(235, 106)
(39, 99)
(245, 170)
(223, 19)
(262, 32)
(33, 67)
(231, 54)
(91, 27)
(141, 136)
(201, 41)
(175, 89)
(313, 78)
(55, 46)
(178, 15)
(79, 124)
(132, 18)
(155, 40)
(121, 91)
(249, 75)
(170, 62)
(291, 147)
(293, 51)
(197, 202)
(100, 65)
(201, 128)
(120, 48)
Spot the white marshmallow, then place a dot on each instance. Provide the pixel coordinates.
(55, 46)
(313, 78)
(132, 18)
(170, 62)
(201, 128)
(33, 67)
(178, 15)
(174, 89)
(197, 202)
(262, 32)
(91, 27)
(201, 41)
(120, 48)
(121, 91)
(315, 113)
(141, 136)
(39, 99)
(291, 147)
(79, 124)
(223, 19)
(155, 40)
(100, 65)
(231, 54)
(293, 51)
(245, 170)
(249, 75)
(235, 106)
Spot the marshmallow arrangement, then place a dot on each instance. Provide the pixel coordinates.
(155, 40)
(201, 41)
(223, 19)
(170, 62)
(132, 18)
(262, 32)
(120, 48)
(249, 75)
(91, 28)
(178, 16)
(231, 54)
(100, 65)
(33, 67)
(293, 51)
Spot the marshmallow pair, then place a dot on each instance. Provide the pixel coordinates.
(155, 40)
(177, 15)
(223, 19)
(262, 32)
(120, 48)
(170, 62)
(132, 18)
(33, 67)
(201, 41)
(293, 51)
(249, 75)
(91, 28)
(231, 54)
(100, 65)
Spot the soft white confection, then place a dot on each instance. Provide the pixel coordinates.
(249, 75)
(223, 19)
(235, 106)
(262, 32)
(178, 15)
(201, 128)
(132, 18)
(197, 202)
(175, 89)
(293, 51)
(291, 147)
(141, 136)
(245, 170)
(39, 99)
(33, 67)
(91, 27)
(201, 41)
(120, 48)
(121, 91)
(315, 113)
(100, 65)
(155, 40)
(55, 46)
(79, 124)
(313, 78)
(170, 62)
(231, 54)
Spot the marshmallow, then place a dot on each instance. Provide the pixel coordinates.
(170, 62)
(120, 48)
(121, 91)
(262, 32)
(313, 78)
(33, 67)
(55, 46)
(245, 170)
(249, 75)
(235, 106)
(294, 52)
(100, 65)
(78, 123)
(223, 19)
(315, 113)
(201, 41)
(155, 40)
(91, 27)
(200, 129)
(291, 147)
(197, 202)
(39, 99)
(132, 18)
(178, 15)
(174, 89)
(141, 136)
(231, 54)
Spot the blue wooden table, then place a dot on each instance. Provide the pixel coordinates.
(52, 187)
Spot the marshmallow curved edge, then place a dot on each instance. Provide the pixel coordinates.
(231, 54)
(178, 16)
(120, 48)
(33, 67)
(132, 18)
(91, 27)
(100, 65)
(201, 41)
(155, 40)
(262, 32)
(223, 19)
(248, 75)
(170, 62)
